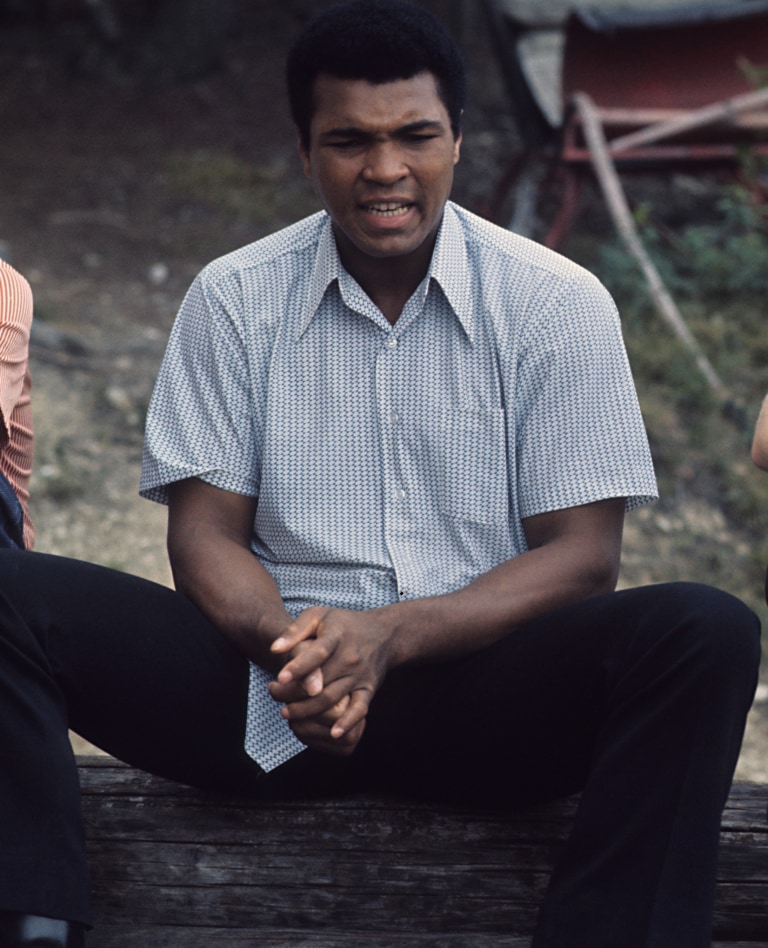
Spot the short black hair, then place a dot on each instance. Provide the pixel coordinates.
(378, 41)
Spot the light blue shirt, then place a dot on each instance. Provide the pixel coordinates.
(393, 462)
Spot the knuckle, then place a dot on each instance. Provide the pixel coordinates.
(350, 656)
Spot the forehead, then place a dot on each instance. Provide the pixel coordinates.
(357, 103)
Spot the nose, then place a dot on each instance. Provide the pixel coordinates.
(384, 163)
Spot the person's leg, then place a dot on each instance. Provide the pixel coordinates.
(131, 666)
(638, 699)
(640, 865)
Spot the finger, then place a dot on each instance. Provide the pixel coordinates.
(313, 682)
(309, 707)
(308, 660)
(287, 693)
(339, 708)
(303, 627)
(330, 717)
(318, 737)
(354, 714)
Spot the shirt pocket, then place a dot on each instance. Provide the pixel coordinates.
(470, 465)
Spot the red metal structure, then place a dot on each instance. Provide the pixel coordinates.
(668, 87)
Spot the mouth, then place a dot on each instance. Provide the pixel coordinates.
(388, 208)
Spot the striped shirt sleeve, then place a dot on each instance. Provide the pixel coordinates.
(16, 435)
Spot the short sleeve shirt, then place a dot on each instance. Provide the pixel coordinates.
(393, 462)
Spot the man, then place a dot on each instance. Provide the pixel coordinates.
(396, 445)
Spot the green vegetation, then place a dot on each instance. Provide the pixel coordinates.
(714, 260)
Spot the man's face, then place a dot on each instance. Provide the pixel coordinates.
(381, 159)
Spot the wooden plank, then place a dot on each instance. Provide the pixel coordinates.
(111, 937)
(639, 118)
(141, 937)
(195, 868)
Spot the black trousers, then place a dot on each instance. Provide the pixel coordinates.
(637, 699)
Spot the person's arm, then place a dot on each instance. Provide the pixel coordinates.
(209, 533)
(15, 324)
(760, 439)
(573, 554)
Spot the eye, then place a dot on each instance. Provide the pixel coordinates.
(418, 138)
(345, 144)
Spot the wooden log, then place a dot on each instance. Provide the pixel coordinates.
(180, 868)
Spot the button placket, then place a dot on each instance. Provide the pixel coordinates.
(395, 490)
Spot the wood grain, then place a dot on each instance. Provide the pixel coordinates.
(173, 866)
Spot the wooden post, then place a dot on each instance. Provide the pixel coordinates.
(618, 208)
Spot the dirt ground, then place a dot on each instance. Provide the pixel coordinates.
(115, 193)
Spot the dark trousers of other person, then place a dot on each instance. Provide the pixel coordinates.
(637, 699)
(11, 517)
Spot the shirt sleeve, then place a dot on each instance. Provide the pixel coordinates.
(201, 420)
(15, 324)
(579, 433)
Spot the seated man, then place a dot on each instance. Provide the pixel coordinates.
(397, 444)
(16, 438)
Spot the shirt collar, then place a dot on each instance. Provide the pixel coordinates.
(448, 268)
(324, 272)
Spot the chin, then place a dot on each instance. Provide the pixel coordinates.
(392, 247)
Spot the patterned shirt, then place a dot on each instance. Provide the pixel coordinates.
(393, 462)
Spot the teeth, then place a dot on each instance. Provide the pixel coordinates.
(388, 209)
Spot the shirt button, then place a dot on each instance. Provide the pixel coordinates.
(394, 417)
(400, 493)
(391, 342)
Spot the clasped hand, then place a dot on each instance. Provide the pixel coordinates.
(336, 659)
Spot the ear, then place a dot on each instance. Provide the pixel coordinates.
(304, 155)
(457, 148)
(457, 142)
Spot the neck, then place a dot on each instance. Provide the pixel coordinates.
(388, 281)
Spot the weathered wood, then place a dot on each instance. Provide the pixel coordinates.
(173, 867)
(247, 938)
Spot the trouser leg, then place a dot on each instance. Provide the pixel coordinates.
(131, 666)
(638, 700)
(640, 865)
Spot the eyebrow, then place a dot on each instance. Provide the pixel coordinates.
(353, 131)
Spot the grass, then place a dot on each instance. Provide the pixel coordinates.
(714, 261)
